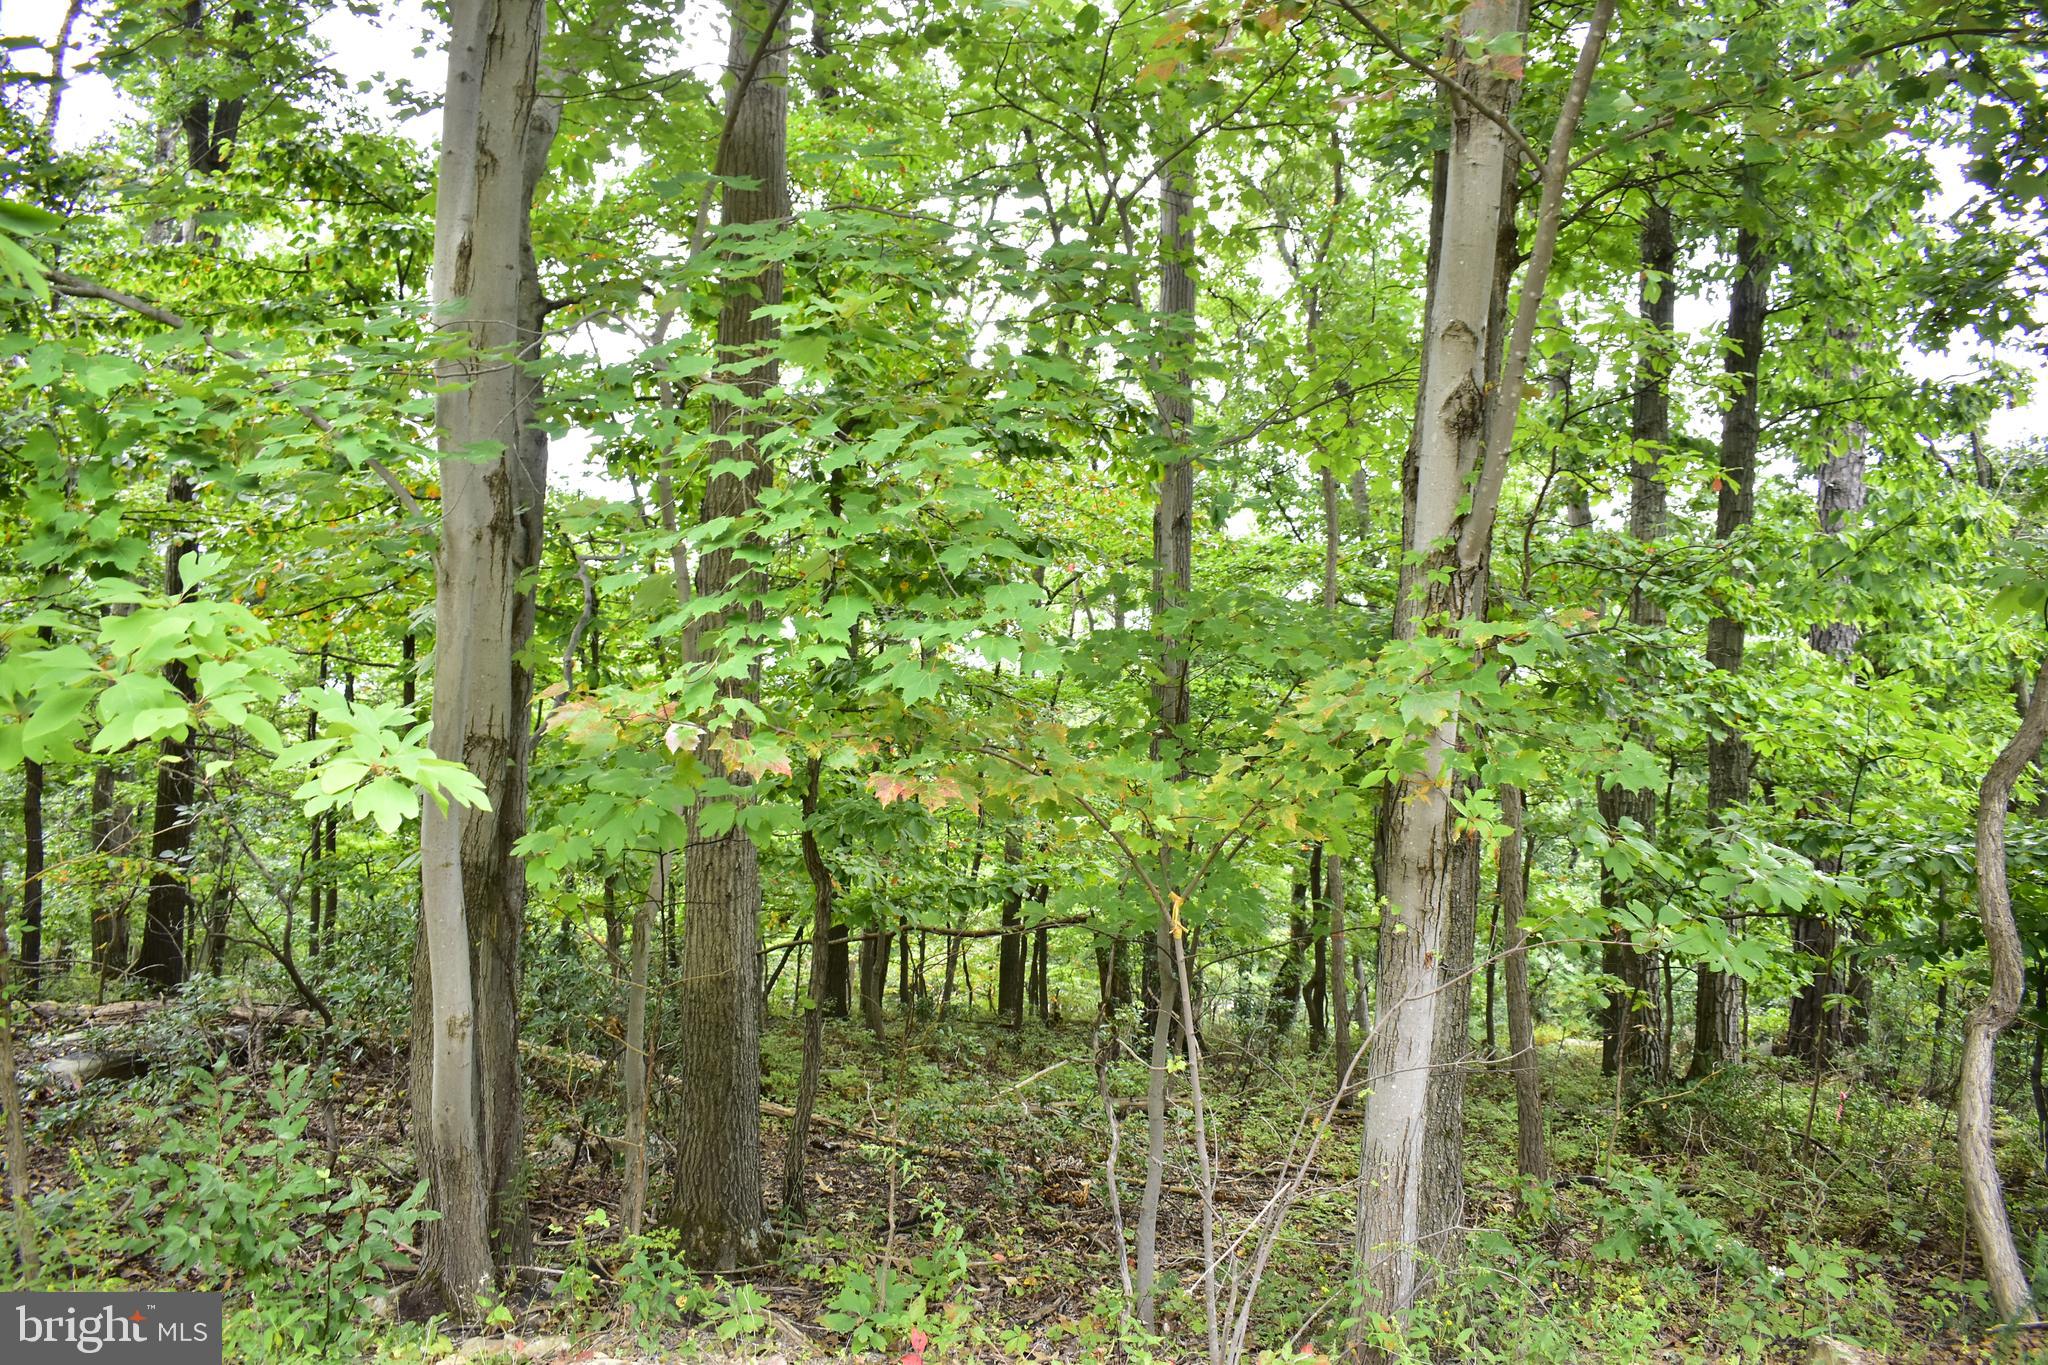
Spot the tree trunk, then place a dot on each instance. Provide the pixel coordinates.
(1316, 996)
(1333, 862)
(1633, 1040)
(113, 834)
(874, 977)
(1411, 1188)
(1287, 982)
(1532, 1158)
(1820, 1020)
(634, 1062)
(793, 1196)
(1172, 580)
(838, 968)
(11, 1117)
(1717, 1037)
(2004, 1272)
(160, 961)
(1414, 837)
(496, 132)
(32, 878)
(1010, 956)
(716, 1204)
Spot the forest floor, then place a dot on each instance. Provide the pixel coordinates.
(957, 1195)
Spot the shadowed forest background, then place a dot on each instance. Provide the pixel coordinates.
(1222, 681)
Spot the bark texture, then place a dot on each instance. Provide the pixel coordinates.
(1717, 1020)
(1403, 1161)
(1172, 579)
(1410, 1189)
(1532, 1155)
(716, 1204)
(496, 132)
(2004, 1272)
(1821, 1023)
(1633, 1041)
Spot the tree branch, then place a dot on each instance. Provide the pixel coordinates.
(1451, 85)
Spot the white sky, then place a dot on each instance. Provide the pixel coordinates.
(402, 43)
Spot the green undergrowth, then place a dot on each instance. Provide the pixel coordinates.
(957, 1194)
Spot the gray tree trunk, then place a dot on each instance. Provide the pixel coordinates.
(496, 132)
(2004, 1272)
(1410, 1186)
(716, 1205)
(1172, 579)
(1400, 1155)
(1820, 1024)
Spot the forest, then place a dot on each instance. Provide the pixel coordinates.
(1222, 681)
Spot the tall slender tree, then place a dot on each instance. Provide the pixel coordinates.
(715, 1205)
(1717, 1019)
(1633, 1042)
(497, 129)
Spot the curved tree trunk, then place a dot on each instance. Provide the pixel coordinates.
(2004, 1272)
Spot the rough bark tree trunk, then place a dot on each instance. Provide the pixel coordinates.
(1010, 955)
(874, 973)
(160, 960)
(1415, 861)
(1717, 1037)
(2004, 1272)
(1532, 1157)
(716, 1204)
(1172, 580)
(1633, 1039)
(1820, 1021)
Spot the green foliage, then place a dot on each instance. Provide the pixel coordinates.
(229, 1193)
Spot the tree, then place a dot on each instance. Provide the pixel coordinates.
(1449, 536)
(497, 128)
(1633, 1037)
(1717, 1026)
(716, 1202)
